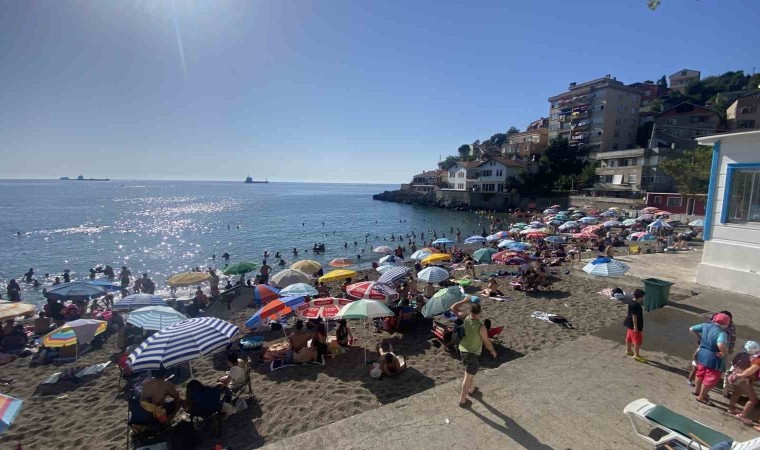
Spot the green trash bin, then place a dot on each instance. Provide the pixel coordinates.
(657, 293)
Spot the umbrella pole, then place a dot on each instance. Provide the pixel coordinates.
(283, 328)
(365, 342)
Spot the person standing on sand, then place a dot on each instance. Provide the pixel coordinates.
(214, 282)
(471, 345)
(634, 322)
(713, 347)
(264, 272)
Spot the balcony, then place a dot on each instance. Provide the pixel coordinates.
(579, 137)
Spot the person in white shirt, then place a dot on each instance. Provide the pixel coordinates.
(235, 376)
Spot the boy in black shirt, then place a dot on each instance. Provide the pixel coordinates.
(634, 321)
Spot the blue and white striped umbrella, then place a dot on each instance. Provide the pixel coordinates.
(474, 240)
(588, 219)
(105, 284)
(506, 242)
(390, 260)
(299, 289)
(605, 267)
(443, 241)
(155, 317)
(554, 239)
(433, 274)
(419, 255)
(498, 236)
(182, 342)
(394, 274)
(135, 301)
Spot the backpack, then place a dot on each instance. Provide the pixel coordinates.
(459, 329)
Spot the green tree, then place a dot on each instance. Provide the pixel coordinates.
(464, 152)
(448, 160)
(560, 158)
(498, 139)
(663, 81)
(587, 176)
(512, 130)
(690, 170)
(754, 81)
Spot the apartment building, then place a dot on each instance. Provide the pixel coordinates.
(527, 144)
(680, 125)
(744, 113)
(681, 79)
(628, 173)
(601, 114)
(650, 92)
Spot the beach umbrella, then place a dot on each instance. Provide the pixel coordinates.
(555, 239)
(659, 223)
(498, 236)
(80, 331)
(274, 310)
(612, 223)
(697, 223)
(588, 220)
(372, 290)
(569, 225)
(572, 208)
(629, 222)
(609, 214)
(432, 274)
(394, 274)
(341, 262)
(442, 301)
(483, 255)
(515, 230)
(11, 310)
(385, 268)
(647, 217)
(649, 210)
(306, 266)
(325, 308)
(641, 236)
(555, 206)
(76, 290)
(263, 293)
(155, 317)
(443, 241)
(188, 279)
(537, 224)
(605, 267)
(419, 255)
(9, 409)
(390, 260)
(430, 250)
(576, 215)
(299, 289)
(475, 240)
(240, 268)
(518, 246)
(550, 211)
(337, 275)
(135, 301)
(107, 285)
(436, 258)
(182, 342)
(505, 243)
(383, 250)
(536, 235)
(504, 256)
(364, 309)
(520, 225)
(287, 277)
(661, 213)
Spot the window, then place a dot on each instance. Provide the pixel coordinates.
(617, 133)
(486, 173)
(670, 122)
(698, 119)
(674, 202)
(743, 204)
(501, 187)
(658, 199)
(623, 163)
(608, 178)
(488, 187)
(599, 133)
(748, 110)
(615, 146)
(499, 172)
(746, 124)
(632, 179)
(620, 108)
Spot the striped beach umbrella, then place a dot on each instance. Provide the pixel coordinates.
(182, 342)
(443, 241)
(474, 240)
(80, 331)
(135, 301)
(390, 260)
(307, 266)
(263, 293)
(605, 267)
(499, 235)
(11, 310)
(9, 409)
(76, 290)
(155, 317)
(325, 308)
(274, 310)
(383, 250)
(300, 289)
(372, 290)
(394, 274)
(105, 284)
(433, 274)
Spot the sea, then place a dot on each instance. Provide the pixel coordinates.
(167, 227)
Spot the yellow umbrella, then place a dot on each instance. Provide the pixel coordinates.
(307, 266)
(11, 310)
(188, 279)
(435, 258)
(337, 275)
(72, 332)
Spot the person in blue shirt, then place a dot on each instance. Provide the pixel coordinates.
(713, 347)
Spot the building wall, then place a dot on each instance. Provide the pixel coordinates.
(681, 79)
(744, 113)
(675, 203)
(682, 128)
(731, 255)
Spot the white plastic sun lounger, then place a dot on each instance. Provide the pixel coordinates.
(678, 429)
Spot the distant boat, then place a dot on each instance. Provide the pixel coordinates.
(81, 178)
(64, 178)
(249, 180)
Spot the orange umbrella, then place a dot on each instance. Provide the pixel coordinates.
(272, 310)
(341, 262)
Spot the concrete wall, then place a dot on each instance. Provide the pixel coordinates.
(731, 258)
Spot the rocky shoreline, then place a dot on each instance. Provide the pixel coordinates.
(420, 199)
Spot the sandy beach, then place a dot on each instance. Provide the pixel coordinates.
(92, 413)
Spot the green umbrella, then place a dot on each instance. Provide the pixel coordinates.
(520, 225)
(240, 268)
(629, 222)
(442, 301)
(483, 255)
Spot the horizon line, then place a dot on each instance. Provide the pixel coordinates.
(200, 181)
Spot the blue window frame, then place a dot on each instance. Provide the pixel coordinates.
(741, 200)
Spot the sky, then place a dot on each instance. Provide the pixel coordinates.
(331, 90)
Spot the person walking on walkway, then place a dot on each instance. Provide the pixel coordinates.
(713, 347)
(471, 344)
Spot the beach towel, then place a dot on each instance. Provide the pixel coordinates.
(94, 369)
(282, 363)
(552, 318)
(501, 299)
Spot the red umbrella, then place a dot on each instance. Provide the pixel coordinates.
(263, 294)
(536, 235)
(341, 262)
(326, 308)
(504, 256)
(372, 290)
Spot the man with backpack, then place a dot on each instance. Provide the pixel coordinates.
(473, 337)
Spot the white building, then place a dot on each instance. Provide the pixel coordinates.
(731, 258)
(492, 174)
(462, 175)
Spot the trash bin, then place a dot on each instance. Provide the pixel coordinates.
(657, 293)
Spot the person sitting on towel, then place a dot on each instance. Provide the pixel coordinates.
(298, 339)
(492, 290)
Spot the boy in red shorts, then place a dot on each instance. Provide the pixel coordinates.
(634, 321)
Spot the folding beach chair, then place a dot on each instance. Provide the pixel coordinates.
(206, 404)
(679, 430)
(246, 387)
(147, 429)
(447, 336)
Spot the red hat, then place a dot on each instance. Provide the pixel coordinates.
(722, 319)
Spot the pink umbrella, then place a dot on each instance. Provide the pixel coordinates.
(372, 290)
(325, 308)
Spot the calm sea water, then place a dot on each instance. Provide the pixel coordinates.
(168, 227)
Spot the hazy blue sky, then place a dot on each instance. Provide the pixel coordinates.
(332, 90)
